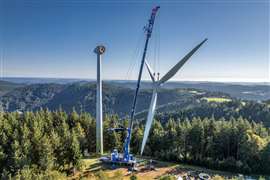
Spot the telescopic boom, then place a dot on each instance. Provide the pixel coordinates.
(148, 31)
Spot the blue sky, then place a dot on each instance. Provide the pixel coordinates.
(57, 38)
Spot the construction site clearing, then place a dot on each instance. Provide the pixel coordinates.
(148, 169)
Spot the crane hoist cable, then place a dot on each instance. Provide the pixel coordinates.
(134, 57)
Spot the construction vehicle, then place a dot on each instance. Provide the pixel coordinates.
(125, 157)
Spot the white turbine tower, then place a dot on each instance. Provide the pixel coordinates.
(156, 85)
(99, 50)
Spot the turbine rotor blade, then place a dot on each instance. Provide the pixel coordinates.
(150, 71)
(150, 118)
(174, 69)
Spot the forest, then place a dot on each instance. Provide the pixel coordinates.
(51, 144)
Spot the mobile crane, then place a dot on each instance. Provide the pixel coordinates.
(127, 158)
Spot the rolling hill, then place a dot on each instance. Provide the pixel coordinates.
(188, 102)
(6, 86)
(242, 90)
(81, 96)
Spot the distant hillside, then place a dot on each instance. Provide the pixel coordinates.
(6, 86)
(247, 91)
(81, 96)
(29, 80)
(178, 102)
(30, 97)
(243, 90)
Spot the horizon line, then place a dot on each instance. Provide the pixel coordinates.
(221, 80)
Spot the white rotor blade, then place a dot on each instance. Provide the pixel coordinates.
(150, 118)
(174, 70)
(150, 71)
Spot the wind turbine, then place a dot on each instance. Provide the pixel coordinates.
(156, 85)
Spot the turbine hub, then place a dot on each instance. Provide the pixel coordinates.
(100, 49)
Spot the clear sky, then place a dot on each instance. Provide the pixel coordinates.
(57, 38)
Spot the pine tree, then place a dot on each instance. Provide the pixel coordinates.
(74, 153)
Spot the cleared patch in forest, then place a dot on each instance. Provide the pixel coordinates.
(93, 169)
(216, 99)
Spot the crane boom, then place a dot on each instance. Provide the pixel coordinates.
(148, 30)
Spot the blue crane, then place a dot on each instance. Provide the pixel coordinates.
(126, 157)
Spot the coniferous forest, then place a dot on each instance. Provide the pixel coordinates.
(51, 143)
